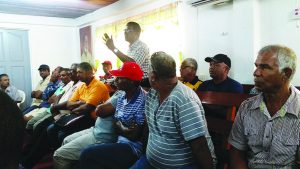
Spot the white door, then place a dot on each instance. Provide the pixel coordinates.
(14, 59)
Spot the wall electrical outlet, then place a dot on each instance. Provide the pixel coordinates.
(296, 13)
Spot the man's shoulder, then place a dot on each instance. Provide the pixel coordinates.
(251, 102)
(182, 93)
(203, 85)
(141, 44)
(234, 86)
(12, 87)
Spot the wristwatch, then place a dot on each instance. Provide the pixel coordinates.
(116, 50)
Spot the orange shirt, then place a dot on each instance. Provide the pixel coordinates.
(93, 94)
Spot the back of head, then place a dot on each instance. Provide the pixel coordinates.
(11, 131)
(286, 57)
(163, 65)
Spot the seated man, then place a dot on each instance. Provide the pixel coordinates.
(107, 79)
(128, 80)
(52, 86)
(107, 66)
(266, 130)
(82, 102)
(188, 70)
(219, 67)
(178, 135)
(44, 113)
(36, 94)
(11, 90)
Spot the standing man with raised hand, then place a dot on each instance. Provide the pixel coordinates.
(266, 131)
(138, 51)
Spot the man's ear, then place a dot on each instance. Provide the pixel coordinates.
(287, 73)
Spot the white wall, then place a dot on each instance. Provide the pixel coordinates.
(240, 29)
(277, 27)
(52, 41)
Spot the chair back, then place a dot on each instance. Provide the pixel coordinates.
(23, 95)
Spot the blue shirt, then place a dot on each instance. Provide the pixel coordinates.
(104, 129)
(131, 112)
(49, 91)
(229, 85)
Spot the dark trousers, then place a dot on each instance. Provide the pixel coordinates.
(107, 156)
(48, 137)
(37, 145)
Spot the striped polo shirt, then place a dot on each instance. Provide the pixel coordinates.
(177, 120)
(130, 112)
(270, 142)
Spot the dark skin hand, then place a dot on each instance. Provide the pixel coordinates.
(201, 153)
(105, 110)
(108, 41)
(132, 132)
(36, 94)
(238, 159)
(111, 46)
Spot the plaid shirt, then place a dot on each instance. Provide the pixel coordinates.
(139, 52)
(270, 142)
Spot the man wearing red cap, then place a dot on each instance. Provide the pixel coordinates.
(107, 66)
(107, 79)
(128, 106)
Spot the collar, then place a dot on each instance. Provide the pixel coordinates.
(134, 97)
(134, 43)
(91, 83)
(194, 81)
(290, 106)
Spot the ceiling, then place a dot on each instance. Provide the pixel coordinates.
(52, 8)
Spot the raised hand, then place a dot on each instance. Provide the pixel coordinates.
(108, 41)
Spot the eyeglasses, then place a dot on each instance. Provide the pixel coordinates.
(128, 30)
(184, 67)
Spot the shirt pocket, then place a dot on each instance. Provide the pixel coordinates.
(252, 136)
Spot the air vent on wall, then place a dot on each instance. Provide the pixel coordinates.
(200, 2)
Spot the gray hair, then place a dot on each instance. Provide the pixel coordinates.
(286, 57)
(163, 65)
(192, 61)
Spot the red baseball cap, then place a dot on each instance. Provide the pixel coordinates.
(107, 62)
(129, 70)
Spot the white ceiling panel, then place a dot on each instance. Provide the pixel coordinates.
(53, 8)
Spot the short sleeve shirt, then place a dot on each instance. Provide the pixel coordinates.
(228, 85)
(270, 142)
(12, 91)
(139, 52)
(40, 86)
(93, 94)
(177, 120)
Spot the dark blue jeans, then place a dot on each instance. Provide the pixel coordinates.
(108, 156)
(143, 163)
